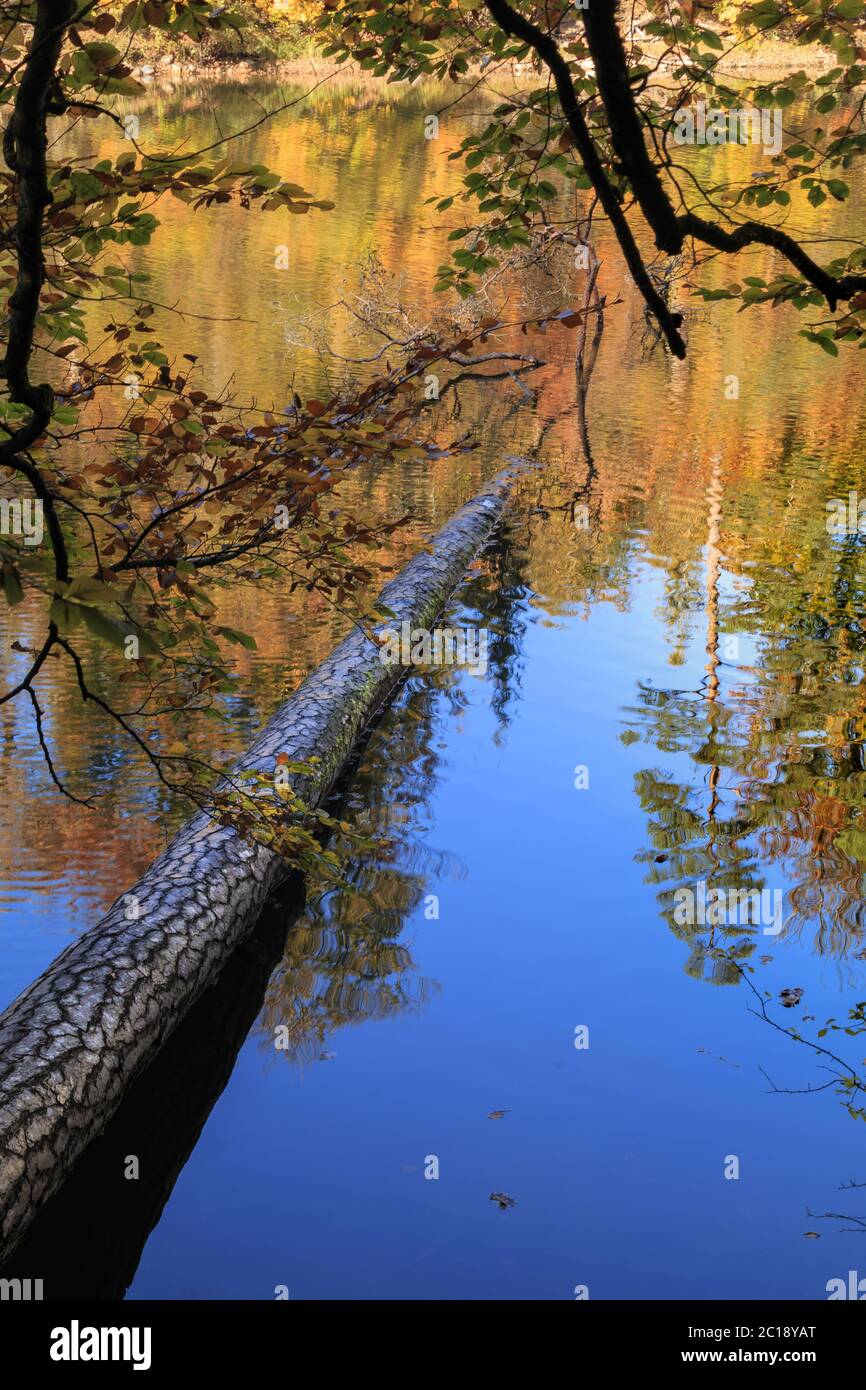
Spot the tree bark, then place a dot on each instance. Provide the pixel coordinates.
(72, 1042)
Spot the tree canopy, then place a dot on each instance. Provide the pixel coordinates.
(603, 116)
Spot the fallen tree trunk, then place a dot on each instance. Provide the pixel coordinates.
(71, 1043)
(87, 1238)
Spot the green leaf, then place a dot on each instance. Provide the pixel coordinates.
(827, 344)
(64, 616)
(92, 591)
(103, 627)
(241, 639)
(10, 583)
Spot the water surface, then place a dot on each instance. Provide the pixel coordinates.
(695, 649)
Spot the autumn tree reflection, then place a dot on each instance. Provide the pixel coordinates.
(774, 740)
(345, 963)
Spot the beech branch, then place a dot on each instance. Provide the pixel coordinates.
(670, 229)
(548, 51)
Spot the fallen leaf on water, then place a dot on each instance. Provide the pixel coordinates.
(790, 997)
(503, 1199)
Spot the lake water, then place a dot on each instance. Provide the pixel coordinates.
(674, 696)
